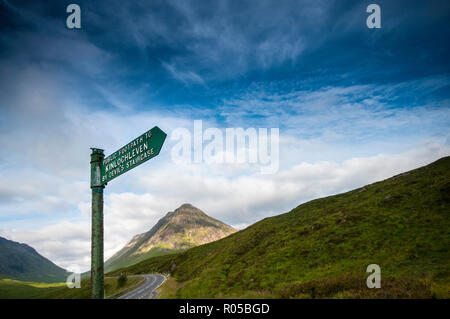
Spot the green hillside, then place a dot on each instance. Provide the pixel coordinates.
(15, 289)
(134, 259)
(22, 262)
(84, 292)
(322, 248)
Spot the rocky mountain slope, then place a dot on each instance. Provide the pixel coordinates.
(185, 227)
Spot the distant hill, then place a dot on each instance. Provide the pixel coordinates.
(184, 228)
(22, 262)
(321, 249)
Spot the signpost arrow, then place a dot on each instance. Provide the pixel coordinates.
(133, 154)
(103, 170)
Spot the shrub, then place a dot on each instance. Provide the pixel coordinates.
(122, 280)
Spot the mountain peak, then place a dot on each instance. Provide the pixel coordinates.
(186, 205)
(188, 208)
(185, 227)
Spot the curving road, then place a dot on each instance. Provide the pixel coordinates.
(147, 289)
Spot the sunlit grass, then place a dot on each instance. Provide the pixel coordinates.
(10, 288)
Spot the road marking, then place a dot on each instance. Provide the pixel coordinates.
(164, 279)
(141, 291)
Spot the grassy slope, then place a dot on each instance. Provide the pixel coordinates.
(322, 248)
(85, 291)
(12, 289)
(15, 289)
(134, 259)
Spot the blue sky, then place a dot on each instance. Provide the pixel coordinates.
(353, 105)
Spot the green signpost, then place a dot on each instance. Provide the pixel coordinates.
(103, 170)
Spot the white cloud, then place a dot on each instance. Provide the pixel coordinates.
(204, 41)
(238, 201)
(358, 111)
(44, 171)
(186, 77)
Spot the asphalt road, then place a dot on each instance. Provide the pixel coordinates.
(147, 289)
